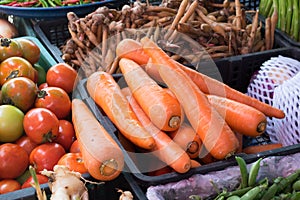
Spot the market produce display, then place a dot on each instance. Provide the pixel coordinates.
(221, 29)
(288, 15)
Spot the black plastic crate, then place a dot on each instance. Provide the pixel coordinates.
(108, 190)
(236, 73)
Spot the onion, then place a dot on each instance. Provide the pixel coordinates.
(7, 29)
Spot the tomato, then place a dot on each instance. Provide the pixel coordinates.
(54, 99)
(75, 147)
(14, 161)
(11, 123)
(43, 85)
(26, 143)
(66, 134)
(9, 185)
(13, 67)
(9, 48)
(20, 92)
(46, 156)
(30, 50)
(41, 74)
(74, 162)
(41, 179)
(62, 75)
(41, 125)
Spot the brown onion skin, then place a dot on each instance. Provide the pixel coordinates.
(7, 29)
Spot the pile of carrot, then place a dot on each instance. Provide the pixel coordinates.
(178, 114)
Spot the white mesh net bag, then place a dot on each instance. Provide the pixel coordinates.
(287, 98)
(272, 74)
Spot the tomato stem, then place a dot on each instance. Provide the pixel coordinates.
(5, 42)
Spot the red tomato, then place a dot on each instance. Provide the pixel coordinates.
(41, 179)
(9, 185)
(13, 67)
(9, 48)
(62, 75)
(75, 147)
(14, 161)
(41, 125)
(46, 156)
(43, 85)
(54, 99)
(13, 93)
(66, 134)
(74, 162)
(30, 50)
(26, 143)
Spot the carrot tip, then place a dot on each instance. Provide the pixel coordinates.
(261, 127)
(193, 147)
(174, 122)
(108, 167)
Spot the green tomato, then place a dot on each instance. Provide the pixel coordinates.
(11, 123)
(41, 74)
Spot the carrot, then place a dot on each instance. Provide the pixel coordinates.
(240, 117)
(210, 85)
(261, 148)
(166, 149)
(107, 94)
(215, 134)
(103, 157)
(130, 48)
(162, 108)
(188, 139)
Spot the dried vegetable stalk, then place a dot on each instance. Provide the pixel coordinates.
(220, 28)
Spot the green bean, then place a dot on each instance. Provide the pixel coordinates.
(295, 196)
(272, 190)
(238, 192)
(244, 172)
(254, 172)
(289, 14)
(5, 2)
(251, 194)
(233, 198)
(296, 29)
(296, 186)
(282, 11)
(287, 180)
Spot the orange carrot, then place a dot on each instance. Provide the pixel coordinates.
(132, 49)
(214, 132)
(261, 148)
(188, 139)
(240, 117)
(166, 149)
(209, 85)
(162, 108)
(103, 157)
(195, 164)
(107, 94)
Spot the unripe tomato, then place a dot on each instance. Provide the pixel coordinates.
(54, 99)
(14, 161)
(20, 92)
(13, 67)
(9, 185)
(62, 75)
(9, 48)
(11, 123)
(30, 50)
(41, 125)
(46, 156)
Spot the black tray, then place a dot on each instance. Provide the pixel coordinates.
(236, 73)
(108, 190)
